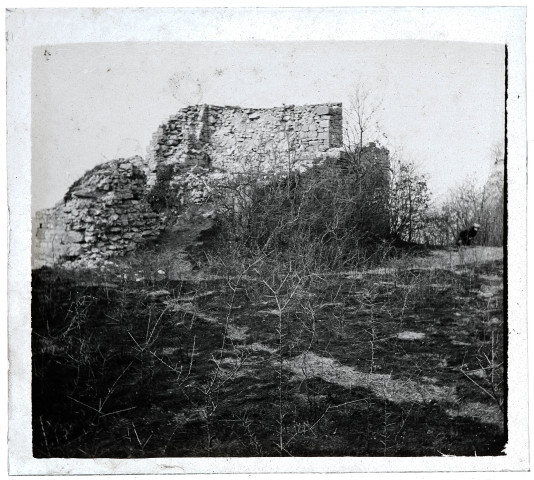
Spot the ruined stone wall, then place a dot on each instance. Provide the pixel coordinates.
(227, 137)
(105, 213)
(126, 202)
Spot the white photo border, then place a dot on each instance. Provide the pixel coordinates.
(27, 28)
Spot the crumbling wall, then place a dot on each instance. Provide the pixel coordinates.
(105, 213)
(126, 202)
(227, 137)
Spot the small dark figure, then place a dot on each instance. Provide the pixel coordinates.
(467, 235)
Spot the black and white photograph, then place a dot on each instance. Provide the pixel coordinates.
(259, 248)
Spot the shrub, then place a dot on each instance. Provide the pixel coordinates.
(331, 213)
(161, 195)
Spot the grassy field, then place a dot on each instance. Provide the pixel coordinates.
(401, 360)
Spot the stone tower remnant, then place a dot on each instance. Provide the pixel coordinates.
(218, 137)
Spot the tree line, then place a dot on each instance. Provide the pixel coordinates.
(413, 215)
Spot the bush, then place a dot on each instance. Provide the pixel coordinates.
(161, 195)
(330, 213)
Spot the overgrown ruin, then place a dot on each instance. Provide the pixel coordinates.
(220, 137)
(123, 203)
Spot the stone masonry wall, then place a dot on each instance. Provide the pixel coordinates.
(225, 137)
(104, 214)
(126, 202)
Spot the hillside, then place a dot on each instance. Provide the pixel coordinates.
(253, 288)
(402, 358)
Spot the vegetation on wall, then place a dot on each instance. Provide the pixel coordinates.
(161, 196)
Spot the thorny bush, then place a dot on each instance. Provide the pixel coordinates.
(330, 213)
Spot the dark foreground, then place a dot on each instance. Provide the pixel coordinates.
(403, 361)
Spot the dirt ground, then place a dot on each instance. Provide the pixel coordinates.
(402, 360)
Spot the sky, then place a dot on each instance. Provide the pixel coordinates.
(442, 103)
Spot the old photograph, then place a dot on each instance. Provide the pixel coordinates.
(269, 249)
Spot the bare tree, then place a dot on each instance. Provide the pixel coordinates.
(408, 202)
(362, 124)
(468, 204)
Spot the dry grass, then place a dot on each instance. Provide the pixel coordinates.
(402, 360)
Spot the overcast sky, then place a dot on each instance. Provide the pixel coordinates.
(442, 102)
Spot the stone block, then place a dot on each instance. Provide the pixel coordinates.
(322, 110)
(74, 250)
(334, 154)
(74, 237)
(85, 193)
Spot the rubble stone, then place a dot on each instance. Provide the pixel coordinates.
(90, 224)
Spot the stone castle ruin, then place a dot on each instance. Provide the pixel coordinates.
(216, 137)
(119, 205)
(103, 213)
